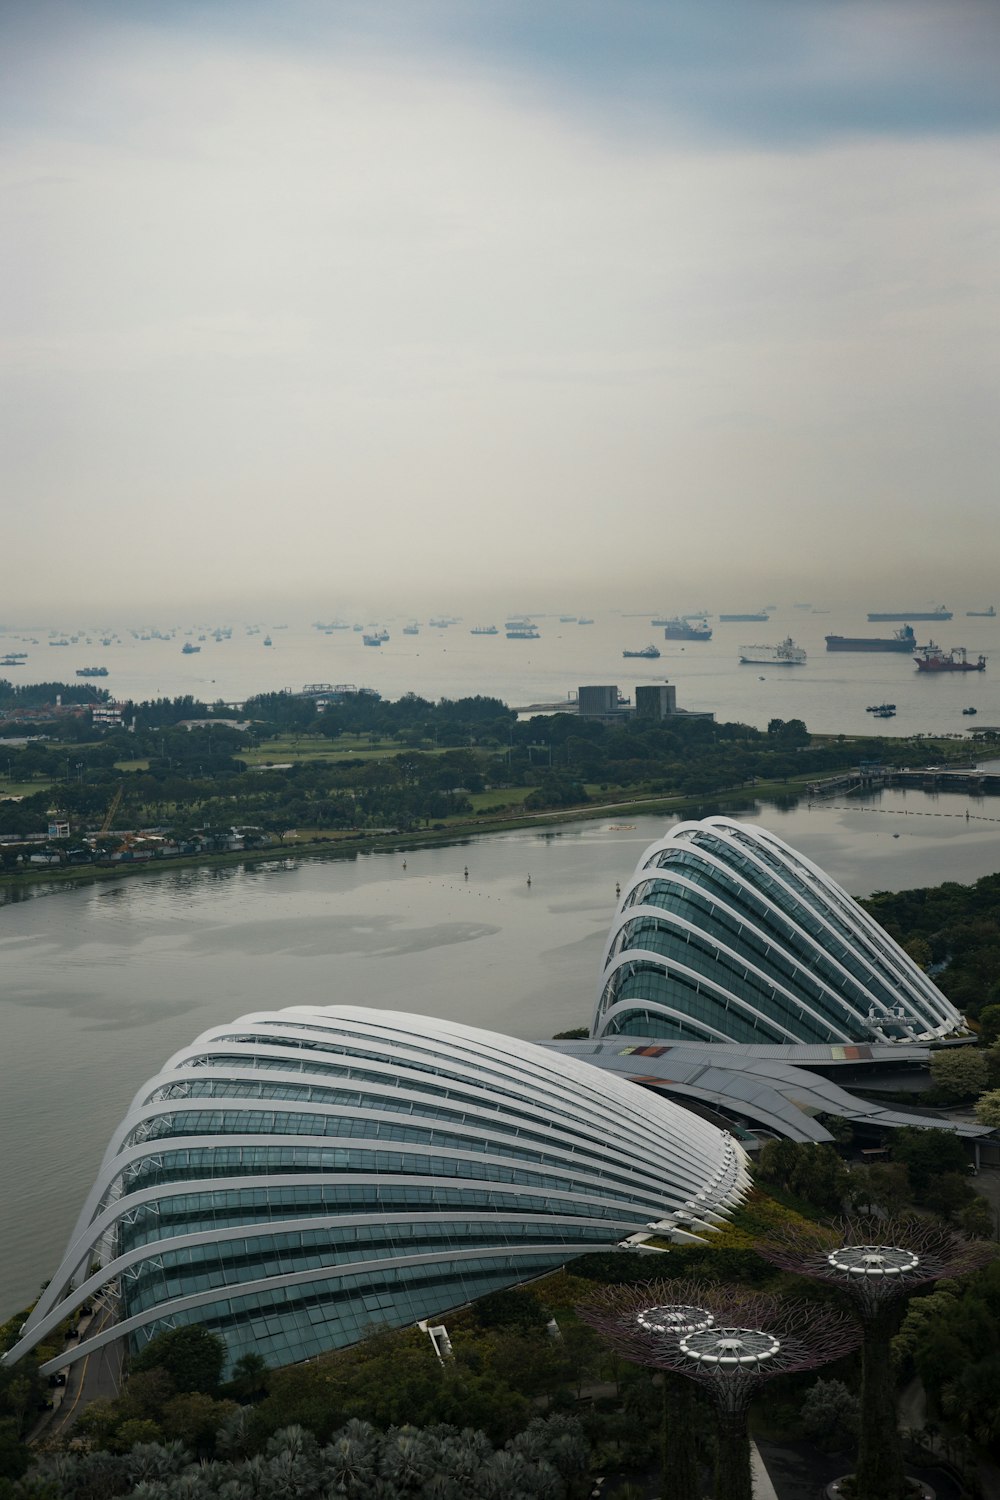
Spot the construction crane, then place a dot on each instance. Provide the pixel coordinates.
(112, 809)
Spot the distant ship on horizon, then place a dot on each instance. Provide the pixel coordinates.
(684, 630)
(938, 613)
(900, 640)
(785, 654)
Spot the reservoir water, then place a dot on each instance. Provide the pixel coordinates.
(104, 982)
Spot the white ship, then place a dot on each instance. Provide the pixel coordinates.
(785, 654)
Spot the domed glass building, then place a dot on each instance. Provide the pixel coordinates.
(295, 1178)
(724, 933)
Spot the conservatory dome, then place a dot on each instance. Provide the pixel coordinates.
(299, 1176)
(725, 933)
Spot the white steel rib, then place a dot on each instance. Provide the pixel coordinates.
(726, 932)
(297, 1176)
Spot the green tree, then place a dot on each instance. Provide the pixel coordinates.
(249, 1377)
(511, 1309)
(988, 1109)
(191, 1355)
(830, 1416)
(926, 1153)
(959, 1072)
(976, 1219)
(13, 1452)
(193, 1418)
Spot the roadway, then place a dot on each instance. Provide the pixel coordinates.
(97, 1375)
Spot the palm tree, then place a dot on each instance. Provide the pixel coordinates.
(406, 1457)
(233, 1437)
(350, 1461)
(293, 1469)
(157, 1460)
(507, 1474)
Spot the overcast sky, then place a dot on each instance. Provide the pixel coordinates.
(439, 300)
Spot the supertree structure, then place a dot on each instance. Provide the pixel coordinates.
(877, 1262)
(731, 1342)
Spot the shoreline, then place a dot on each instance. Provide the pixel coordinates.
(345, 844)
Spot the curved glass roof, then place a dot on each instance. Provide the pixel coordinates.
(298, 1176)
(725, 933)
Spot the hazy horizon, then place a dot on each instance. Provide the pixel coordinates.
(447, 306)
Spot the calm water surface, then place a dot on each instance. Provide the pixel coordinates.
(103, 983)
(830, 692)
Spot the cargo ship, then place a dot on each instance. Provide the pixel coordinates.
(684, 630)
(785, 654)
(982, 614)
(484, 630)
(91, 671)
(940, 613)
(932, 658)
(647, 652)
(761, 617)
(522, 632)
(901, 640)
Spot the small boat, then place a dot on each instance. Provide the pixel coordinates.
(885, 712)
(647, 652)
(411, 629)
(188, 650)
(267, 640)
(582, 621)
(968, 711)
(880, 708)
(981, 614)
(525, 632)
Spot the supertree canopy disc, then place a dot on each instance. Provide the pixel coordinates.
(873, 1260)
(741, 1339)
(730, 1346)
(876, 1260)
(675, 1319)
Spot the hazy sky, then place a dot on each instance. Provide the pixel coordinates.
(434, 300)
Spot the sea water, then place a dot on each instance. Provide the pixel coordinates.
(831, 692)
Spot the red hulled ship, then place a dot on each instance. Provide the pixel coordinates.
(932, 658)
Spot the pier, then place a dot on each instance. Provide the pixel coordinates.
(967, 779)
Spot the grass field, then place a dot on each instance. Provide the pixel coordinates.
(308, 747)
(511, 796)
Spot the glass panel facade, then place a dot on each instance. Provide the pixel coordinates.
(726, 933)
(295, 1179)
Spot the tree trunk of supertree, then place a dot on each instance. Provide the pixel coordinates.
(680, 1455)
(880, 1474)
(733, 1478)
